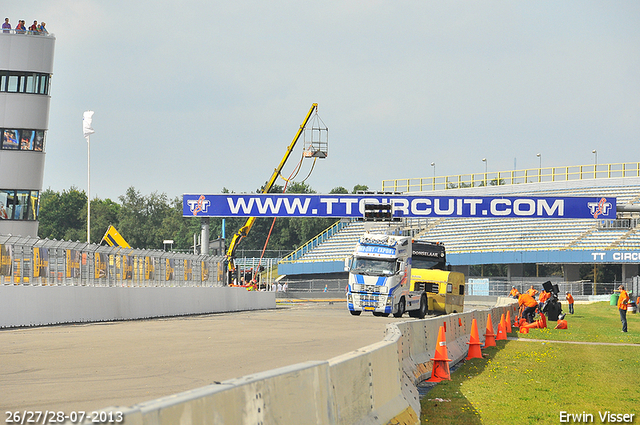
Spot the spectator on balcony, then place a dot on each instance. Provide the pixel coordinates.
(3, 212)
(20, 28)
(42, 29)
(6, 26)
(34, 28)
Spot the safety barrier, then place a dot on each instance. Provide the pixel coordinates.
(37, 305)
(376, 384)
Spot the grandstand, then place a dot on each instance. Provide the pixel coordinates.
(510, 241)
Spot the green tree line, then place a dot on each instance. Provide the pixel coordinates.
(144, 221)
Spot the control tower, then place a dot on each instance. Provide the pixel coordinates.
(26, 66)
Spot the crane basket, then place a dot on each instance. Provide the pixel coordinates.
(316, 138)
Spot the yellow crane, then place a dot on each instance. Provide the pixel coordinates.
(244, 230)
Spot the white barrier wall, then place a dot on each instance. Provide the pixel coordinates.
(373, 385)
(47, 305)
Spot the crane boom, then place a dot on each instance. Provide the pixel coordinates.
(246, 228)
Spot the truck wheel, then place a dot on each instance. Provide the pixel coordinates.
(355, 313)
(423, 307)
(401, 308)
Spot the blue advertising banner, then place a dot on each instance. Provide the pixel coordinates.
(293, 205)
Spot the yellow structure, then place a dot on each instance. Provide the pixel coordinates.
(444, 289)
(113, 238)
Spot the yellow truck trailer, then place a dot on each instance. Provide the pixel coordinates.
(444, 289)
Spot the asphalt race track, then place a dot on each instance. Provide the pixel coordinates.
(85, 367)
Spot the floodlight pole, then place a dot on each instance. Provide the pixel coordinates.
(88, 189)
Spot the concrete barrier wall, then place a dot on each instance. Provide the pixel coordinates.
(47, 305)
(373, 385)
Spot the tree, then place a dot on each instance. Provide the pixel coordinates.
(104, 213)
(338, 190)
(63, 216)
(178, 228)
(359, 187)
(140, 218)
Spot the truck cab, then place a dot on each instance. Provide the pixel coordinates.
(379, 277)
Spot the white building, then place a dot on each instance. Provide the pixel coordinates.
(26, 66)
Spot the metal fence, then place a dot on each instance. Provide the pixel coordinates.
(499, 178)
(580, 288)
(484, 286)
(34, 261)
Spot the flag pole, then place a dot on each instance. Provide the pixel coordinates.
(87, 130)
(88, 189)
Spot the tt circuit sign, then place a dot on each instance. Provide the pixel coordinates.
(291, 205)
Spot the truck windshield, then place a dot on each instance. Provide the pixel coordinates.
(424, 263)
(373, 267)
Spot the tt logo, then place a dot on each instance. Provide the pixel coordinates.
(199, 205)
(599, 208)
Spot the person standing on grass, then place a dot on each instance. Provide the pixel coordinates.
(514, 292)
(623, 300)
(544, 296)
(569, 299)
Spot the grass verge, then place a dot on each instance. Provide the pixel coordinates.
(531, 382)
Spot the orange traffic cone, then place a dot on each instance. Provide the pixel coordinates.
(502, 330)
(543, 321)
(532, 325)
(508, 322)
(440, 369)
(489, 336)
(474, 342)
(524, 330)
(459, 321)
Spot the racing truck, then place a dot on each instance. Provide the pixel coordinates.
(380, 277)
(393, 274)
(444, 289)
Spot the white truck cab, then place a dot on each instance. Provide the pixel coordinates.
(380, 275)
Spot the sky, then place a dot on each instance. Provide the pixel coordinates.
(197, 96)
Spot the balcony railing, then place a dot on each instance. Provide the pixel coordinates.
(499, 178)
(27, 32)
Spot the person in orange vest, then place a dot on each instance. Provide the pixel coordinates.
(532, 292)
(514, 292)
(623, 300)
(544, 296)
(528, 304)
(569, 299)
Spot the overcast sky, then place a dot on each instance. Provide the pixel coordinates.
(196, 96)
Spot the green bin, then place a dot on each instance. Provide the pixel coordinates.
(614, 298)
